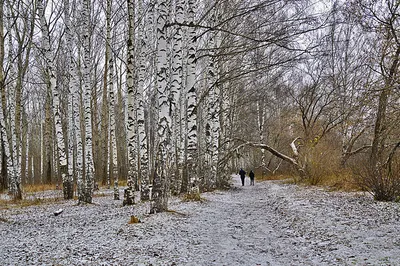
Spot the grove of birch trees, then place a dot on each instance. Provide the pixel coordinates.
(169, 97)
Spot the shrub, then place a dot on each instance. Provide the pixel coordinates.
(383, 181)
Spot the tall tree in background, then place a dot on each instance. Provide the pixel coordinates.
(192, 152)
(23, 27)
(160, 181)
(111, 77)
(380, 178)
(74, 114)
(3, 176)
(129, 197)
(52, 84)
(142, 134)
(13, 155)
(175, 94)
(87, 88)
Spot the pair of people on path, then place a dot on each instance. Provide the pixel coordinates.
(242, 174)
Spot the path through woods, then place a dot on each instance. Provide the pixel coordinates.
(271, 223)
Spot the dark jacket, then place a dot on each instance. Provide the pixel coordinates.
(251, 175)
(242, 173)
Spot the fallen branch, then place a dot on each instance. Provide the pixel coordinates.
(284, 157)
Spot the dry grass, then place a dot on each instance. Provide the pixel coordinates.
(259, 177)
(342, 181)
(7, 204)
(134, 220)
(192, 197)
(38, 188)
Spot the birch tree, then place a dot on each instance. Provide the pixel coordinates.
(129, 197)
(52, 84)
(113, 141)
(74, 114)
(3, 178)
(160, 181)
(142, 144)
(176, 87)
(192, 155)
(87, 88)
(13, 152)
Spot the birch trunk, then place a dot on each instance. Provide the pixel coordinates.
(52, 84)
(191, 161)
(76, 113)
(13, 162)
(3, 178)
(215, 104)
(143, 147)
(10, 167)
(261, 121)
(160, 183)
(73, 115)
(113, 141)
(176, 87)
(129, 197)
(87, 88)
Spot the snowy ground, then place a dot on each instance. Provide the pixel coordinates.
(269, 224)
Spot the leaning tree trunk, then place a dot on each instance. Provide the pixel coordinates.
(378, 142)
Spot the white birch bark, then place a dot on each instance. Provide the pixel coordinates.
(215, 130)
(160, 183)
(15, 155)
(10, 167)
(129, 198)
(113, 141)
(52, 83)
(74, 137)
(150, 30)
(213, 110)
(14, 159)
(76, 113)
(143, 147)
(192, 167)
(176, 87)
(261, 119)
(87, 89)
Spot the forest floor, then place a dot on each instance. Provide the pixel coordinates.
(271, 223)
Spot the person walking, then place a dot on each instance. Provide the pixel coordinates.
(242, 174)
(251, 175)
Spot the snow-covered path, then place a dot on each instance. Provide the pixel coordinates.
(270, 223)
